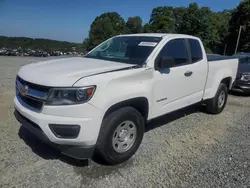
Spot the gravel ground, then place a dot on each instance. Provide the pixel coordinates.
(188, 148)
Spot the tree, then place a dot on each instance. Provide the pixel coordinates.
(85, 44)
(147, 28)
(134, 24)
(178, 13)
(196, 21)
(161, 20)
(34, 44)
(219, 30)
(240, 17)
(166, 19)
(105, 26)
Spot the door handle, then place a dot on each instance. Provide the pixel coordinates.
(188, 73)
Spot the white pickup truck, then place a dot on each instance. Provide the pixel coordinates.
(97, 105)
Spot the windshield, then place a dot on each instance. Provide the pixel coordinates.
(125, 49)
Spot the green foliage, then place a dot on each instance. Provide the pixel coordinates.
(219, 31)
(134, 25)
(86, 44)
(36, 44)
(196, 21)
(208, 50)
(178, 14)
(211, 27)
(147, 28)
(162, 20)
(165, 20)
(240, 17)
(105, 26)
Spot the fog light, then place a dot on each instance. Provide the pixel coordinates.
(65, 131)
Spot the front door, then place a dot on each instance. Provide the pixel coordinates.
(183, 83)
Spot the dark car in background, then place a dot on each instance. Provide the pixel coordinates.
(242, 82)
(41, 54)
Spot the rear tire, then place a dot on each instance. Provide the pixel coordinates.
(217, 104)
(120, 136)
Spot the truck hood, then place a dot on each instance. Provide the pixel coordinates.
(244, 68)
(65, 72)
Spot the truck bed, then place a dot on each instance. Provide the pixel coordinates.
(219, 67)
(215, 57)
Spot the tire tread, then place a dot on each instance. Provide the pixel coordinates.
(101, 154)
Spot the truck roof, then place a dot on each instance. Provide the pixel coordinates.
(163, 35)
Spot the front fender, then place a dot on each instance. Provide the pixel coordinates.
(115, 93)
(119, 86)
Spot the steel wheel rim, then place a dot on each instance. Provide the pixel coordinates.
(221, 99)
(124, 136)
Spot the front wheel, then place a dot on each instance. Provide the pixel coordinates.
(120, 136)
(218, 103)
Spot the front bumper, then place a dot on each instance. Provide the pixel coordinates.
(241, 86)
(80, 147)
(78, 152)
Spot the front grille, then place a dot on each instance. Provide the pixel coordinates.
(34, 103)
(35, 96)
(34, 86)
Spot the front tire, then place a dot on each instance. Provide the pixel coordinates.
(217, 104)
(120, 136)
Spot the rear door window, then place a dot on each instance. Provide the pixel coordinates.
(195, 50)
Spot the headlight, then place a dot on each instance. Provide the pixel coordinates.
(243, 77)
(70, 96)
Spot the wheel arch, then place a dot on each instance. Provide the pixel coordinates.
(141, 104)
(227, 81)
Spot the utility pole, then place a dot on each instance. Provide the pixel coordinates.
(237, 44)
(225, 49)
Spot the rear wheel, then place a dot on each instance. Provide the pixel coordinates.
(120, 136)
(218, 103)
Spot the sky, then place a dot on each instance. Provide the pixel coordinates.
(70, 20)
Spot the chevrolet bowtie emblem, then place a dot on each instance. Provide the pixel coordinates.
(24, 90)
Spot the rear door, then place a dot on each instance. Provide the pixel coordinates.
(182, 84)
(199, 68)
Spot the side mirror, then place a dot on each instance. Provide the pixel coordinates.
(166, 62)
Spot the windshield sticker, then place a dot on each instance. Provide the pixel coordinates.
(151, 44)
